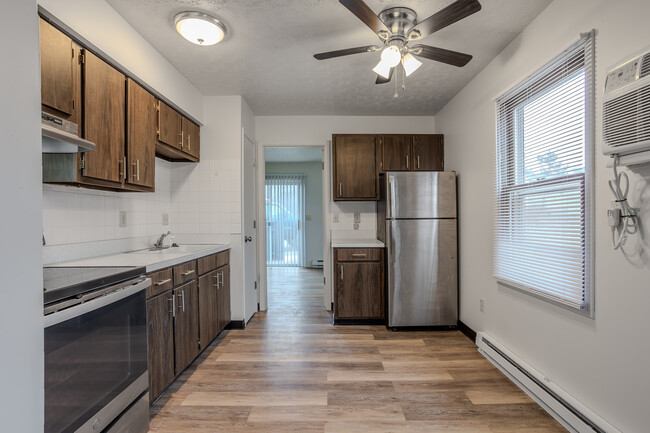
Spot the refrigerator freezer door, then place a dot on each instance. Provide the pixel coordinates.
(422, 272)
(429, 194)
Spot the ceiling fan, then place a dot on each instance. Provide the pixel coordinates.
(397, 27)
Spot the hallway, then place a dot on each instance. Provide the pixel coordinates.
(291, 370)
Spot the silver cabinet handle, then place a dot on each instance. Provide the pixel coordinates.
(137, 169)
(358, 255)
(341, 272)
(124, 172)
(160, 283)
(189, 142)
(173, 305)
(407, 161)
(183, 299)
(418, 158)
(185, 274)
(340, 189)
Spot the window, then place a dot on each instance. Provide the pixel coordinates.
(543, 181)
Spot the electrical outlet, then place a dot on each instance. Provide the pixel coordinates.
(122, 218)
(481, 305)
(335, 217)
(356, 226)
(357, 218)
(165, 219)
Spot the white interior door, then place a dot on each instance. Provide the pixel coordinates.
(249, 228)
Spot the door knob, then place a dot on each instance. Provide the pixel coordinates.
(247, 239)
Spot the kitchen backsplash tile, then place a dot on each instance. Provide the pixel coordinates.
(199, 198)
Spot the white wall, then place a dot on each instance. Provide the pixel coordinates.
(313, 202)
(101, 25)
(21, 321)
(602, 362)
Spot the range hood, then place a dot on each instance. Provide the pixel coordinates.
(62, 136)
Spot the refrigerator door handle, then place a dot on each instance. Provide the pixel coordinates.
(341, 272)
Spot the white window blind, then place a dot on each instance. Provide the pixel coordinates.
(285, 219)
(543, 180)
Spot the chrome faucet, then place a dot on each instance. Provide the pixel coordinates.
(159, 242)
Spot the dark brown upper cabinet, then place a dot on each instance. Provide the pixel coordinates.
(355, 169)
(104, 120)
(424, 152)
(178, 137)
(429, 152)
(141, 136)
(191, 137)
(395, 152)
(60, 74)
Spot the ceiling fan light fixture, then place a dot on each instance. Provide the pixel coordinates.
(391, 56)
(382, 69)
(410, 64)
(200, 28)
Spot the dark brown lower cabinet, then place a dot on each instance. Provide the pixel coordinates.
(208, 308)
(186, 325)
(160, 324)
(223, 298)
(184, 315)
(359, 284)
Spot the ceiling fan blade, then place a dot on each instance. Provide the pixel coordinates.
(441, 55)
(345, 52)
(445, 17)
(382, 80)
(365, 14)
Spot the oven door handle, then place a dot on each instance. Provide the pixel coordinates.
(94, 304)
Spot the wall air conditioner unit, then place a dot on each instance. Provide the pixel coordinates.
(626, 106)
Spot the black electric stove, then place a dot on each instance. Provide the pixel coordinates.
(61, 282)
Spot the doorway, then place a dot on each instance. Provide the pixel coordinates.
(293, 199)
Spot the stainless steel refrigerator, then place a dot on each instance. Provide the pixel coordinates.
(416, 219)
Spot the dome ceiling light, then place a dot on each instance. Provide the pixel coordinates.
(200, 28)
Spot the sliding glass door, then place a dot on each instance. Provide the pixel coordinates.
(285, 215)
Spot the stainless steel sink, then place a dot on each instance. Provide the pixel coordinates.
(181, 249)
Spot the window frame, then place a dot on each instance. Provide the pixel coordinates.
(510, 178)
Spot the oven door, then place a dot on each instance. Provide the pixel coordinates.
(95, 360)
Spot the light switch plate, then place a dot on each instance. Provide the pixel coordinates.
(165, 219)
(122, 218)
(357, 218)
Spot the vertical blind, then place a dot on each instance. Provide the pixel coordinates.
(285, 214)
(543, 180)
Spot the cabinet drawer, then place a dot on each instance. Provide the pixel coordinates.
(206, 264)
(223, 258)
(358, 254)
(184, 272)
(160, 282)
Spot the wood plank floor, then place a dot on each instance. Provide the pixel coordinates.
(290, 370)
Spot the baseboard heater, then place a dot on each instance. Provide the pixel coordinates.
(568, 411)
(316, 263)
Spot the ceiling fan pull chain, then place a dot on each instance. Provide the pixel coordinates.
(396, 95)
(403, 78)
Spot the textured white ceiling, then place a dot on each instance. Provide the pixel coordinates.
(268, 54)
(293, 154)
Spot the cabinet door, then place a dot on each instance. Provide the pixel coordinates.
(395, 153)
(428, 152)
(57, 63)
(224, 297)
(186, 326)
(104, 108)
(160, 343)
(359, 290)
(355, 170)
(208, 314)
(141, 135)
(169, 126)
(191, 138)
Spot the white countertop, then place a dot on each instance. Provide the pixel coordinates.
(151, 260)
(357, 243)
